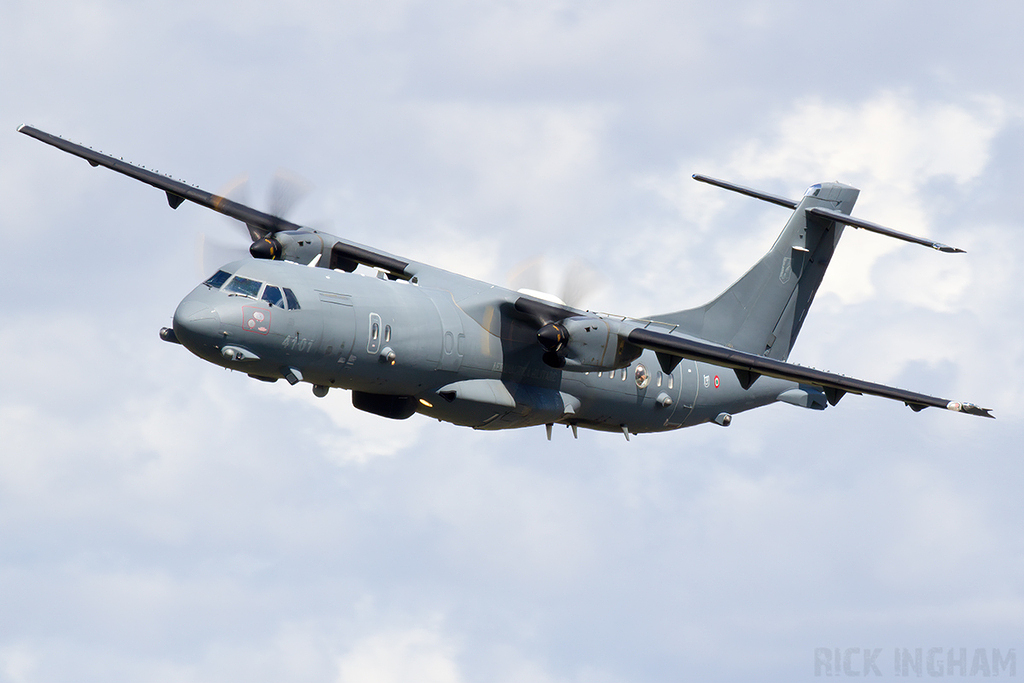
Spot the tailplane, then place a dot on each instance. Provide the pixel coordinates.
(763, 311)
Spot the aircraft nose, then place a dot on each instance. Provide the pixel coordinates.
(196, 324)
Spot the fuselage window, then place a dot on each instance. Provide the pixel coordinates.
(217, 280)
(373, 343)
(272, 295)
(293, 303)
(624, 372)
(244, 286)
(659, 379)
(387, 333)
(670, 382)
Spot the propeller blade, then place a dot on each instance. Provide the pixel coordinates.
(287, 189)
(211, 254)
(528, 274)
(578, 282)
(237, 190)
(581, 281)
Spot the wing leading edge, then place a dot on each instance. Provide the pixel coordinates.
(259, 223)
(342, 253)
(749, 367)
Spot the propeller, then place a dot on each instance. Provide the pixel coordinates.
(286, 190)
(548, 319)
(578, 282)
(572, 338)
(213, 252)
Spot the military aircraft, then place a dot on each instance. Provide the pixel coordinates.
(405, 337)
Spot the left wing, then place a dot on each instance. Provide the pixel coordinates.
(749, 367)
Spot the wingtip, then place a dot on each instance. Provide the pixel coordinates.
(31, 131)
(970, 409)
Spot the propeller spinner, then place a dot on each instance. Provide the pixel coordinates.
(553, 337)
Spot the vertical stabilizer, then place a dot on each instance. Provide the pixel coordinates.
(763, 311)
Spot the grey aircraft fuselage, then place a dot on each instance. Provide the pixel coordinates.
(374, 335)
(406, 337)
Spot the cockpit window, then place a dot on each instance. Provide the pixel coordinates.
(272, 295)
(293, 303)
(244, 286)
(217, 280)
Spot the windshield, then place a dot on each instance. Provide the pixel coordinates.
(216, 280)
(244, 286)
(280, 297)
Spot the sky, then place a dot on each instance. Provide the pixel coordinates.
(162, 519)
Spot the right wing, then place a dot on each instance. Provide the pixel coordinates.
(342, 253)
(260, 224)
(749, 367)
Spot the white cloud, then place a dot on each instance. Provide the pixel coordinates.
(893, 139)
(516, 156)
(343, 434)
(890, 145)
(418, 654)
(17, 663)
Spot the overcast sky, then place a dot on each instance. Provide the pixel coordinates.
(162, 519)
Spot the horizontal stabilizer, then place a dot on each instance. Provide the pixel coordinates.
(748, 365)
(828, 214)
(750, 192)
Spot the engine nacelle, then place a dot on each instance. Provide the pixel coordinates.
(310, 247)
(595, 344)
(298, 246)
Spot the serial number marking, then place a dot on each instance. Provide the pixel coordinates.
(296, 343)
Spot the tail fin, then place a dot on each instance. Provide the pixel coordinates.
(763, 311)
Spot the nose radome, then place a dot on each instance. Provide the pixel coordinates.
(196, 324)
